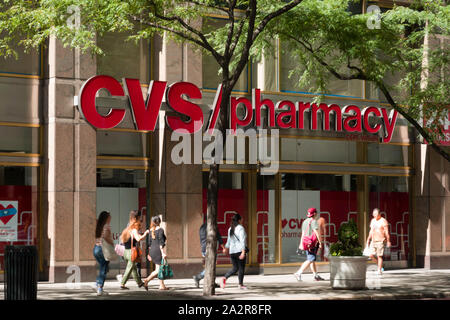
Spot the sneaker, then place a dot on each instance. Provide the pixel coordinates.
(298, 276)
(379, 272)
(99, 291)
(318, 278)
(243, 287)
(223, 282)
(119, 277)
(196, 281)
(382, 269)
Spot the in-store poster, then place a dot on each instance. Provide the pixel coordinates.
(8, 220)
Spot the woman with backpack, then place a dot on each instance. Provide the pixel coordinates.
(236, 245)
(310, 242)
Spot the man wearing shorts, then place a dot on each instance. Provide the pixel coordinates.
(309, 226)
(378, 236)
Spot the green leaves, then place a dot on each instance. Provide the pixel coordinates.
(347, 244)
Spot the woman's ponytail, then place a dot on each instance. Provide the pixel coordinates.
(234, 222)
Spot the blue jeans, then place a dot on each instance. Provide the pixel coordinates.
(201, 275)
(103, 265)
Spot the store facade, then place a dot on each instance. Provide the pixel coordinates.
(58, 171)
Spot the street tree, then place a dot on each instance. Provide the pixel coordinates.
(77, 23)
(409, 44)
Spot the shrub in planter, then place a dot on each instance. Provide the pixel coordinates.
(347, 264)
(347, 244)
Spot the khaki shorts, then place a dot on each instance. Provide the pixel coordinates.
(377, 247)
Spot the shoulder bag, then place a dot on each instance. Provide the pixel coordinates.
(108, 251)
(136, 251)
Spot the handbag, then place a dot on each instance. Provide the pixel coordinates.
(108, 251)
(165, 271)
(119, 249)
(136, 252)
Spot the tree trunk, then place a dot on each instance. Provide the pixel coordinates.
(212, 201)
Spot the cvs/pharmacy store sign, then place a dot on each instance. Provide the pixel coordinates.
(282, 114)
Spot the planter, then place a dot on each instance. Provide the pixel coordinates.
(348, 272)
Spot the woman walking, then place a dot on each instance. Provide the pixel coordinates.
(236, 245)
(157, 252)
(130, 237)
(102, 232)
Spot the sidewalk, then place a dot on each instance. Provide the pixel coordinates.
(393, 284)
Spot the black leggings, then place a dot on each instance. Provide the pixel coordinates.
(238, 265)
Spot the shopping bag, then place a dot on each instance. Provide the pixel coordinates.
(326, 251)
(367, 252)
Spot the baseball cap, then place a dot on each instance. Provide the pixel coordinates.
(311, 212)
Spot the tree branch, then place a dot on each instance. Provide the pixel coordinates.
(359, 76)
(411, 120)
(273, 15)
(239, 32)
(248, 43)
(230, 30)
(207, 45)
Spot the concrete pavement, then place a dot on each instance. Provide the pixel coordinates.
(393, 284)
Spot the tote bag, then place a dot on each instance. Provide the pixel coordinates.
(108, 251)
(165, 271)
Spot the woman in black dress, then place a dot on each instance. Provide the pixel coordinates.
(157, 252)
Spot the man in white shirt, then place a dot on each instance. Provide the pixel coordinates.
(378, 236)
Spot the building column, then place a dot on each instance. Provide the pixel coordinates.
(432, 214)
(176, 190)
(69, 195)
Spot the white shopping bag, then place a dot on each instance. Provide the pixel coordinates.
(367, 252)
(326, 251)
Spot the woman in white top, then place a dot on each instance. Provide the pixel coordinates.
(102, 232)
(236, 246)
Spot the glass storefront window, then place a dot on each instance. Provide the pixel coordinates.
(290, 81)
(232, 199)
(334, 197)
(27, 64)
(391, 196)
(19, 139)
(119, 191)
(210, 67)
(389, 155)
(19, 207)
(324, 150)
(126, 144)
(124, 58)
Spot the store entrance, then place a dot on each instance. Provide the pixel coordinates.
(119, 191)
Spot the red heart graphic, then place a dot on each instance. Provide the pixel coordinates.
(6, 219)
(283, 223)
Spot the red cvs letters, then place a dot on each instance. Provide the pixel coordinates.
(283, 114)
